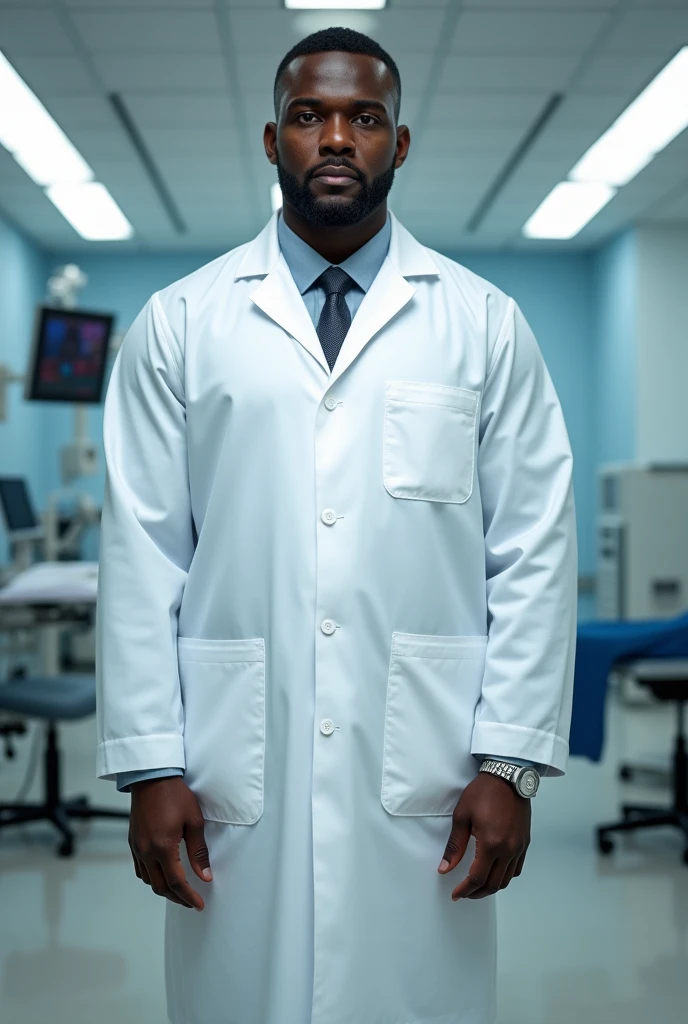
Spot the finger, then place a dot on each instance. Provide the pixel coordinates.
(509, 873)
(456, 845)
(492, 882)
(477, 876)
(144, 876)
(197, 851)
(519, 864)
(175, 880)
(160, 887)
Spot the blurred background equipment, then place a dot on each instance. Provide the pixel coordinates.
(642, 545)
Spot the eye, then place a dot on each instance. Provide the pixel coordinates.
(370, 119)
(305, 113)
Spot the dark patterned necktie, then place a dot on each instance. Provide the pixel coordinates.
(335, 318)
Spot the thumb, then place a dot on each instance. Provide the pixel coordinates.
(199, 858)
(456, 844)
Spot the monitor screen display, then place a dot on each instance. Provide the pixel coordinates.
(69, 355)
(16, 504)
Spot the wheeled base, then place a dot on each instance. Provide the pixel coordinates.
(641, 816)
(59, 814)
(638, 816)
(54, 808)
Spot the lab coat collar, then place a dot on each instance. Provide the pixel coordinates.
(279, 298)
(408, 256)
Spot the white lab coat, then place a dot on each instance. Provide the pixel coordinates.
(321, 592)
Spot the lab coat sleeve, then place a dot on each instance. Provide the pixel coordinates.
(524, 467)
(146, 546)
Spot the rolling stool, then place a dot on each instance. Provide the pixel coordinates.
(52, 698)
(668, 680)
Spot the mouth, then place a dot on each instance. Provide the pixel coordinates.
(341, 176)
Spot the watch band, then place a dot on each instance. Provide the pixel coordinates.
(525, 780)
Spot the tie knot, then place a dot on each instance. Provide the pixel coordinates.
(336, 281)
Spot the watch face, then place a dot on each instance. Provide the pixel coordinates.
(528, 782)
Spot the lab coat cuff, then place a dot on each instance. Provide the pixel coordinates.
(138, 753)
(549, 749)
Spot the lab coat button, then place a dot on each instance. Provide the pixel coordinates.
(330, 402)
(326, 726)
(328, 516)
(327, 626)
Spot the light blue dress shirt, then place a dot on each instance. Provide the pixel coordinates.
(306, 266)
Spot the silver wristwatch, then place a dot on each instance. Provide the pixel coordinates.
(524, 779)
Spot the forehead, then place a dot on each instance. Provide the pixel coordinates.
(338, 75)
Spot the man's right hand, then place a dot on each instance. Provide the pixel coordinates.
(163, 812)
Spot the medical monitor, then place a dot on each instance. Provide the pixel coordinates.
(69, 355)
(16, 509)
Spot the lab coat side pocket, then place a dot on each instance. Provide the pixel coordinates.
(223, 691)
(433, 687)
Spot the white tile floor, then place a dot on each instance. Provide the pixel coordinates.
(583, 939)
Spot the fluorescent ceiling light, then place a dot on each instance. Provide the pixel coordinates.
(567, 209)
(275, 196)
(42, 149)
(91, 210)
(335, 5)
(646, 126)
(31, 135)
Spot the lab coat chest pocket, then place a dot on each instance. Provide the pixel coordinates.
(223, 690)
(433, 687)
(429, 441)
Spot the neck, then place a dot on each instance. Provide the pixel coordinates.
(335, 244)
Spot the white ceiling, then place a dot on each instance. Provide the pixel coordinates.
(196, 77)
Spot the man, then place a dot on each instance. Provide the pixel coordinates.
(338, 568)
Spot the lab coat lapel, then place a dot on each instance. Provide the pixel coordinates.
(279, 297)
(277, 294)
(388, 294)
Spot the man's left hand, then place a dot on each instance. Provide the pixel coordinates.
(491, 810)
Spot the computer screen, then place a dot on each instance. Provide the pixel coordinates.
(16, 505)
(69, 355)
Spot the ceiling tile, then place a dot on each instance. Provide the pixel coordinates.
(486, 109)
(527, 31)
(398, 31)
(31, 30)
(137, 72)
(141, 31)
(148, 4)
(180, 110)
(649, 31)
(466, 72)
(47, 74)
(609, 72)
(79, 110)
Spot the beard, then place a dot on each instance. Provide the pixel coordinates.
(330, 211)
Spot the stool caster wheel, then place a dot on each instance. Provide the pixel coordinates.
(604, 845)
(66, 848)
(625, 773)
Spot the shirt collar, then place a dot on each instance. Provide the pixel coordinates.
(306, 265)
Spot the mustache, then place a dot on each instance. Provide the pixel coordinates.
(334, 162)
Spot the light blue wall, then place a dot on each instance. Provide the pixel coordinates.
(556, 294)
(23, 434)
(614, 370)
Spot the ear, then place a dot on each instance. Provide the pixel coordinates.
(270, 141)
(403, 144)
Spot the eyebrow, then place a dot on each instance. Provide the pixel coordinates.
(314, 101)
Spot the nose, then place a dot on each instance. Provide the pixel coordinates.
(336, 137)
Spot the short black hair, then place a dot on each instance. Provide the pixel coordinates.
(345, 40)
